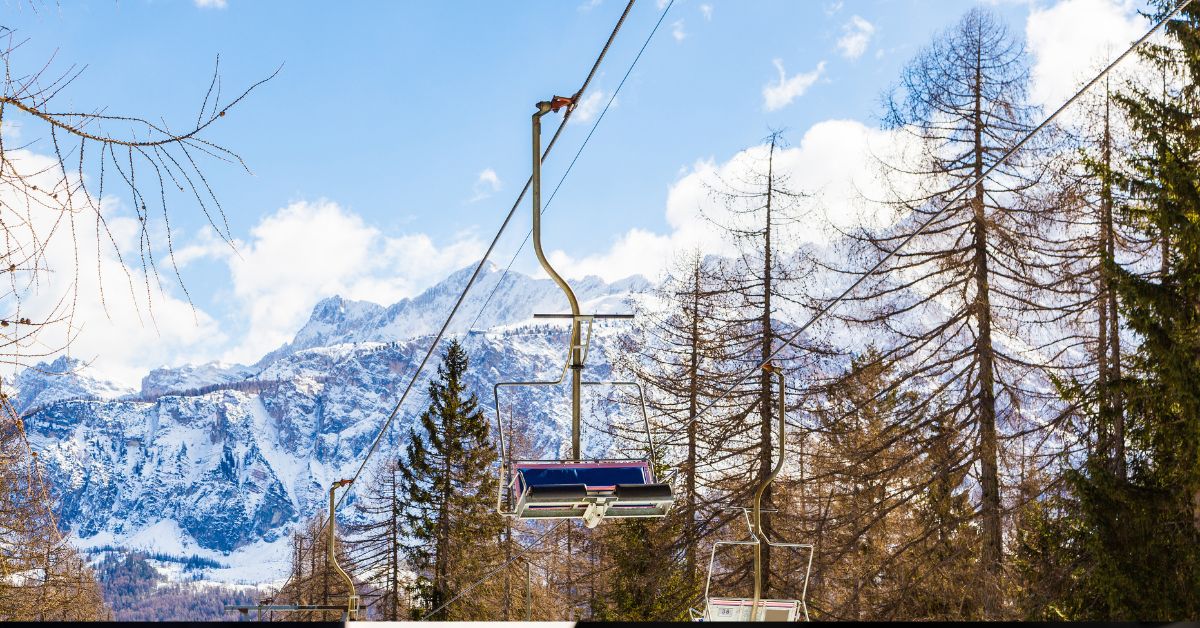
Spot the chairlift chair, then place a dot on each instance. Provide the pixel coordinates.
(757, 608)
(591, 490)
(719, 608)
(738, 609)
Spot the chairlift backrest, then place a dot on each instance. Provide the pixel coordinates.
(587, 490)
(594, 475)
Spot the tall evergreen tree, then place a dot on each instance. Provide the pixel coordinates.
(762, 288)
(959, 287)
(448, 486)
(642, 578)
(1134, 536)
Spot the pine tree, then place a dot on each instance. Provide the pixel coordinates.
(1134, 536)
(766, 280)
(679, 354)
(641, 575)
(942, 568)
(866, 473)
(966, 281)
(448, 518)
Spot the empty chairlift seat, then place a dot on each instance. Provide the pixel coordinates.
(738, 609)
(590, 490)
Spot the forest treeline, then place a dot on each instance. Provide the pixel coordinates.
(136, 591)
(1001, 422)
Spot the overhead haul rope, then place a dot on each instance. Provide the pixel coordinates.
(574, 159)
(1009, 153)
(479, 267)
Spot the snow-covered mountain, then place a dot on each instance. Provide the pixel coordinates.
(224, 460)
(498, 298)
(162, 381)
(64, 378)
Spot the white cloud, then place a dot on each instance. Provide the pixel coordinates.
(588, 5)
(115, 320)
(490, 178)
(835, 162)
(308, 251)
(706, 11)
(857, 37)
(487, 183)
(834, 7)
(293, 258)
(677, 30)
(661, 4)
(591, 105)
(212, 4)
(11, 131)
(781, 94)
(1072, 40)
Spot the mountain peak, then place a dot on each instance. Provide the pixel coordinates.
(63, 378)
(161, 381)
(499, 297)
(337, 309)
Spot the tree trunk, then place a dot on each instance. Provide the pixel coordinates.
(988, 474)
(765, 397)
(395, 554)
(1112, 409)
(507, 576)
(441, 567)
(693, 407)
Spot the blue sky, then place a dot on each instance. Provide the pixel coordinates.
(410, 123)
(393, 108)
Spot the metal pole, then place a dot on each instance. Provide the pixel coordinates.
(757, 527)
(528, 593)
(331, 558)
(576, 365)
